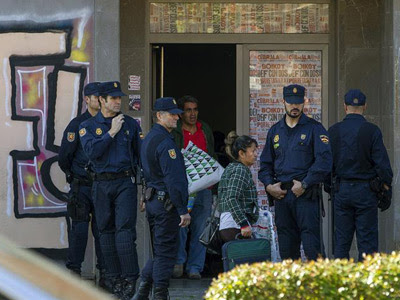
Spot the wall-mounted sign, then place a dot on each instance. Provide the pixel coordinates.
(182, 17)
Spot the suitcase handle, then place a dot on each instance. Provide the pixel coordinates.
(239, 236)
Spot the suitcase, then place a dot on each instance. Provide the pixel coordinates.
(241, 251)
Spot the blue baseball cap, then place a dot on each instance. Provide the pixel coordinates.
(355, 98)
(111, 88)
(91, 88)
(294, 94)
(167, 104)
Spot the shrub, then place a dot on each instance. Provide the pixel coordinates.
(378, 277)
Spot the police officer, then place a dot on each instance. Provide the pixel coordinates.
(167, 193)
(359, 159)
(295, 160)
(112, 142)
(72, 160)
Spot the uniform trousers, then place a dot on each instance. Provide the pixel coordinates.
(164, 227)
(298, 221)
(356, 210)
(78, 233)
(115, 203)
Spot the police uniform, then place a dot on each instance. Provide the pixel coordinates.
(113, 161)
(164, 171)
(359, 156)
(72, 160)
(301, 153)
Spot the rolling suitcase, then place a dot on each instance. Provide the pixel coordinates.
(241, 251)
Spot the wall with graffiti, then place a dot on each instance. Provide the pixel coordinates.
(45, 62)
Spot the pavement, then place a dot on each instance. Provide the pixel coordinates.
(186, 289)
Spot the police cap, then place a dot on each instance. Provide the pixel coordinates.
(111, 88)
(91, 88)
(355, 98)
(294, 94)
(167, 104)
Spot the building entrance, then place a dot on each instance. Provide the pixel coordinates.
(205, 71)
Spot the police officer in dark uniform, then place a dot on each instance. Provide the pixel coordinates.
(294, 162)
(167, 194)
(73, 160)
(362, 178)
(112, 142)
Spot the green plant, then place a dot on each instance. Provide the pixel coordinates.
(378, 277)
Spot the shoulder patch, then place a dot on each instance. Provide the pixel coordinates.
(324, 138)
(172, 153)
(71, 136)
(99, 131)
(82, 132)
(276, 138)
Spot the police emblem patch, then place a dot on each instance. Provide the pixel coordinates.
(324, 139)
(82, 132)
(303, 136)
(99, 131)
(276, 138)
(355, 101)
(115, 84)
(295, 90)
(172, 153)
(71, 136)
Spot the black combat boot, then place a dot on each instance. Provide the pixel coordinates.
(128, 288)
(143, 291)
(160, 293)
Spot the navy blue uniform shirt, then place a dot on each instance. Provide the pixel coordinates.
(107, 154)
(164, 166)
(359, 154)
(301, 153)
(71, 157)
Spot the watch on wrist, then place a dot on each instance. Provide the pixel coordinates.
(304, 185)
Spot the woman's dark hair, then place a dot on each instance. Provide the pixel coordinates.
(235, 143)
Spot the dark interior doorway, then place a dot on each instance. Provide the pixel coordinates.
(207, 72)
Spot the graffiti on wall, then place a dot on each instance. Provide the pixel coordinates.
(45, 66)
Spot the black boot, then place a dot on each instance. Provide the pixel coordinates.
(102, 279)
(128, 288)
(160, 293)
(143, 291)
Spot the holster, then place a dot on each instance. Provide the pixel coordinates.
(164, 198)
(76, 209)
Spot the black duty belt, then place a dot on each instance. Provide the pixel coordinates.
(286, 185)
(112, 176)
(82, 180)
(355, 180)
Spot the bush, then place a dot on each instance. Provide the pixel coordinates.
(378, 277)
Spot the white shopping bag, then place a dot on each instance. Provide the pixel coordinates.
(264, 229)
(202, 170)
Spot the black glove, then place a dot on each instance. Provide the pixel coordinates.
(385, 200)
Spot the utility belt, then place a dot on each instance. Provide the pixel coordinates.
(353, 180)
(79, 180)
(161, 196)
(111, 176)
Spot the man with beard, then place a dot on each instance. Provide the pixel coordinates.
(166, 198)
(112, 142)
(295, 161)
